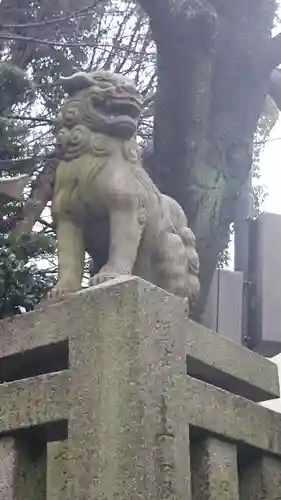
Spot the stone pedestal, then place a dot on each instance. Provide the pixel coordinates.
(123, 397)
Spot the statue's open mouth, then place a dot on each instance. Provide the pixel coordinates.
(112, 97)
(118, 107)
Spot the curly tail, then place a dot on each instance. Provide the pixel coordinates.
(179, 226)
(193, 265)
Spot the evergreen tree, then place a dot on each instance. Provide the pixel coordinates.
(22, 283)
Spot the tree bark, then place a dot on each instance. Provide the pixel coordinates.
(274, 86)
(211, 89)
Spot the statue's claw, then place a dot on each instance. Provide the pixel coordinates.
(61, 291)
(103, 276)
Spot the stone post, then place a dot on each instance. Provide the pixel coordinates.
(123, 359)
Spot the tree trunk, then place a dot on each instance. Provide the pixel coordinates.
(212, 83)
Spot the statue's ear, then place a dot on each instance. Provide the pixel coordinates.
(76, 82)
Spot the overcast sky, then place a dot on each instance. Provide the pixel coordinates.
(271, 166)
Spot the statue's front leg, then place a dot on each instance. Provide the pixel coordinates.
(71, 256)
(126, 228)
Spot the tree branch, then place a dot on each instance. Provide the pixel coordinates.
(45, 223)
(51, 43)
(30, 119)
(54, 20)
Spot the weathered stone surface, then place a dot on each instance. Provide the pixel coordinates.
(33, 401)
(32, 471)
(261, 479)
(57, 470)
(210, 357)
(217, 360)
(133, 413)
(128, 351)
(216, 411)
(22, 470)
(173, 469)
(275, 404)
(39, 328)
(8, 464)
(214, 470)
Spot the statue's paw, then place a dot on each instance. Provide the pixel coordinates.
(103, 276)
(60, 291)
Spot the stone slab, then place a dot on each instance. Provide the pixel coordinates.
(34, 401)
(49, 324)
(275, 404)
(210, 357)
(217, 360)
(210, 409)
(223, 311)
(214, 470)
(266, 335)
(36, 329)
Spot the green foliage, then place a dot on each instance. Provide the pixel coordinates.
(22, 283)
(265, 125)
(14, 85)
(15, 88)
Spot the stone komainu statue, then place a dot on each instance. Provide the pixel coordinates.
(103, 200)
